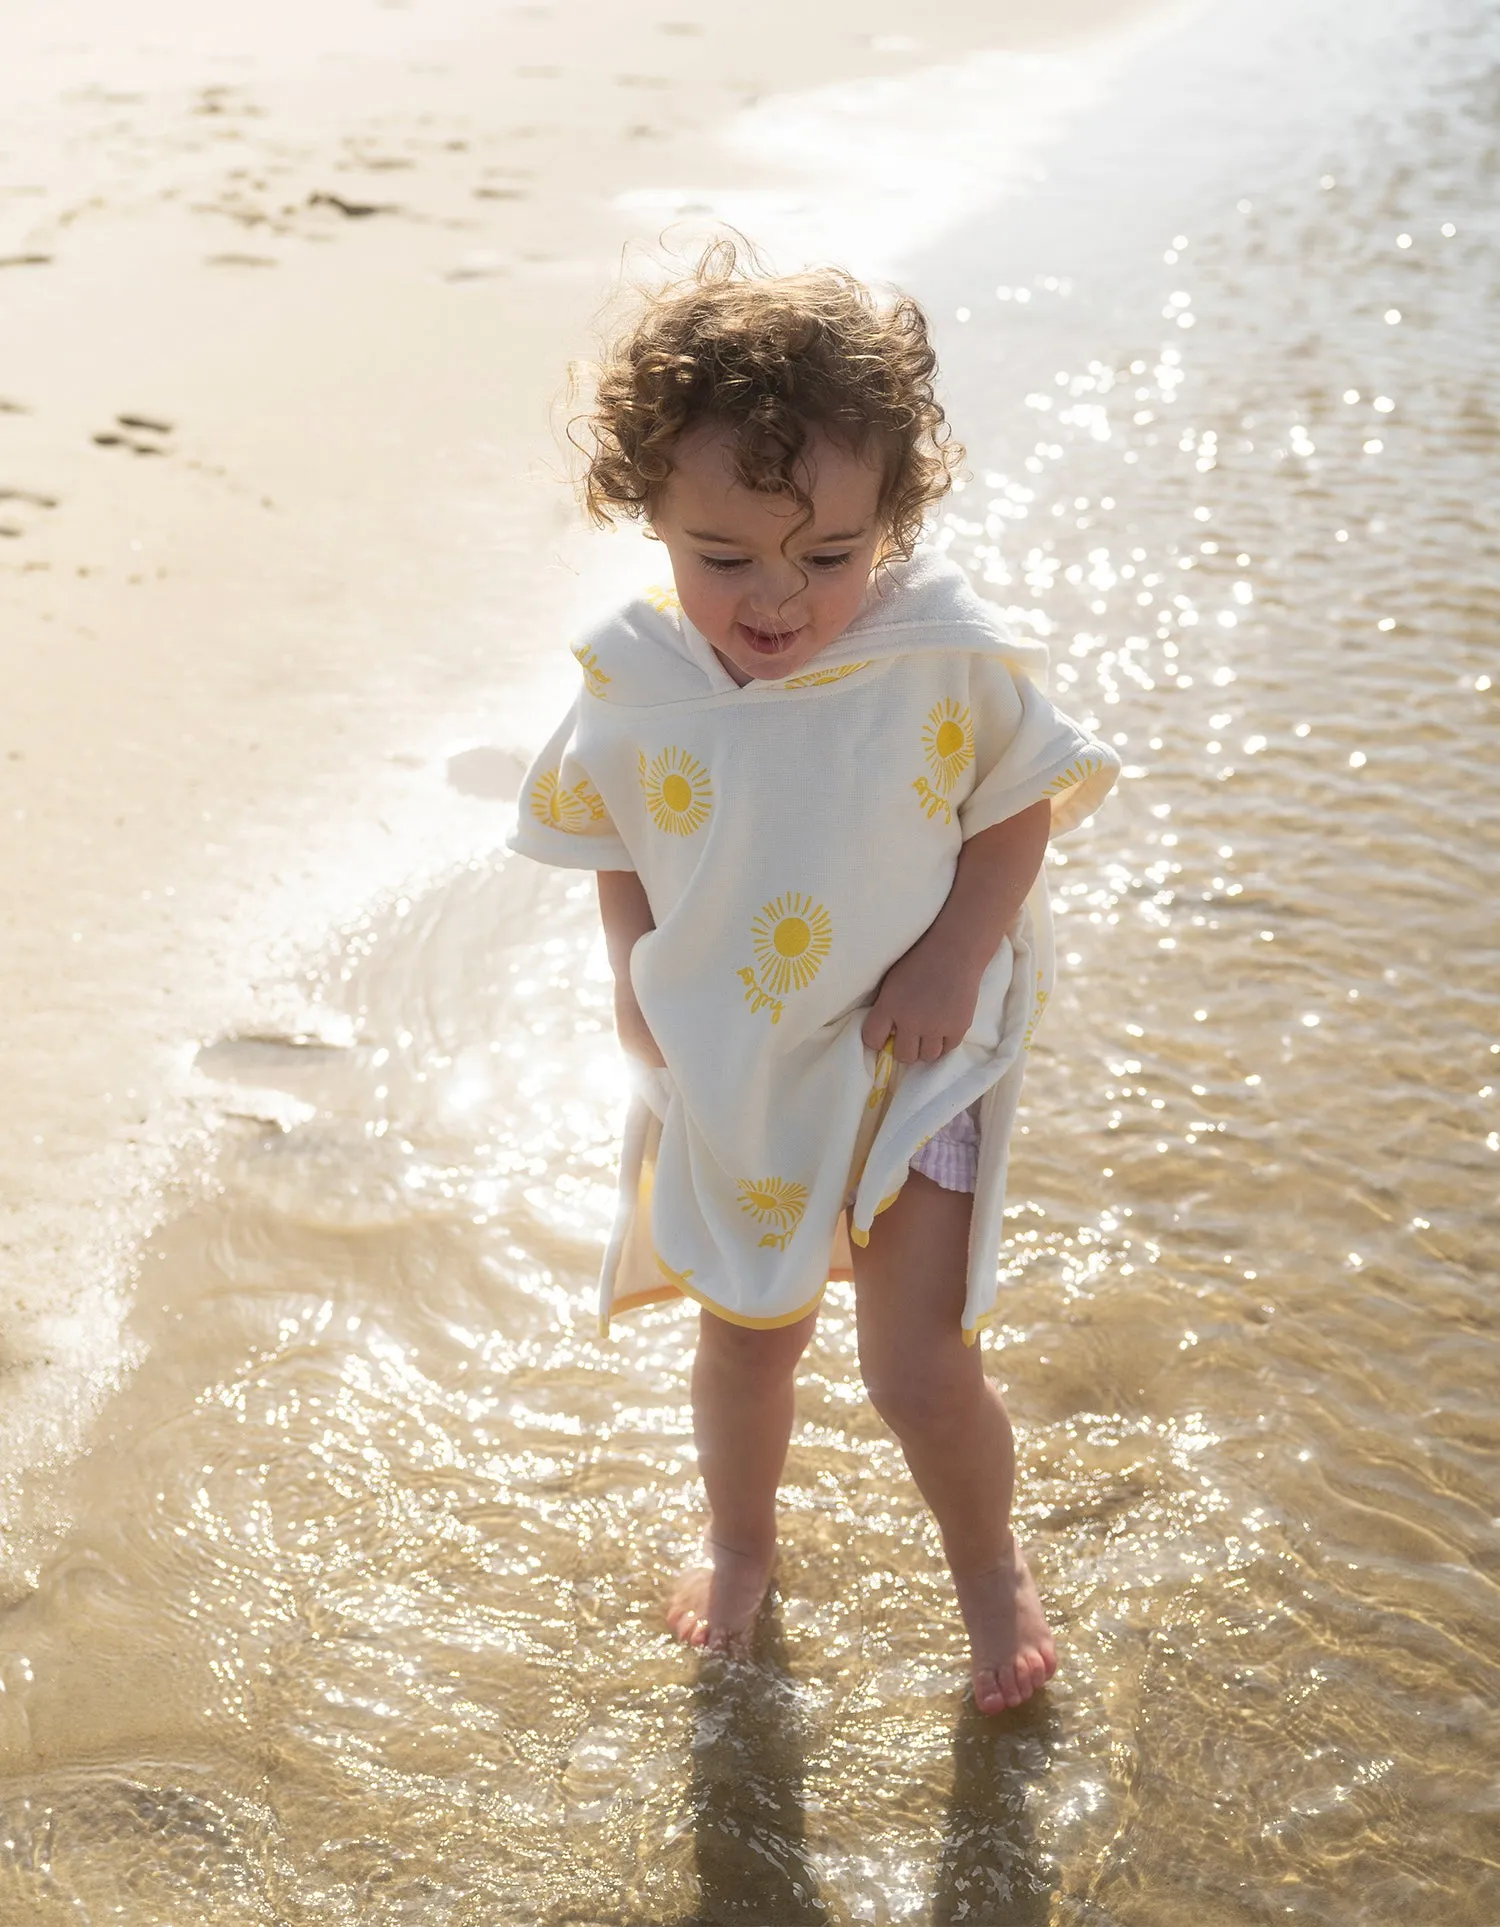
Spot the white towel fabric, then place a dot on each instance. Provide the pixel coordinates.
(794, 839)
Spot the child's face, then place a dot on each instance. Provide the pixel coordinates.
(768, 611)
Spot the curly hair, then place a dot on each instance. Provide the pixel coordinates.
(774, 359)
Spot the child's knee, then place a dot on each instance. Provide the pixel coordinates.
(921, 1394)
(751, 1352)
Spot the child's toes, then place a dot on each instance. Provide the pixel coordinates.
(989, 1689)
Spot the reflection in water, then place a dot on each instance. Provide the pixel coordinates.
(358, 1616)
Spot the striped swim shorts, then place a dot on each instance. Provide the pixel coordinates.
(950, 1157)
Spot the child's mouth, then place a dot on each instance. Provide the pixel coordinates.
(766, 642)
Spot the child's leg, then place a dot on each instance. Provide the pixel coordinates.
(744, 1393)
(931, 1389)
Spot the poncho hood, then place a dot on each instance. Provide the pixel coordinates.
(926, 605)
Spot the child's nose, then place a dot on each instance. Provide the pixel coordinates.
(778, 596)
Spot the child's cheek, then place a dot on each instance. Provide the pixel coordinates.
(718, 614)
(708, 607)
(839, 605)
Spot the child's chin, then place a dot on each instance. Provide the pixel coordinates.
(771, 666)
(772, 669)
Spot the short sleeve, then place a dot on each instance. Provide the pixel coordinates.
(1026, 750)
(560, 815)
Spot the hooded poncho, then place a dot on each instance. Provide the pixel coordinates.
(795, 838)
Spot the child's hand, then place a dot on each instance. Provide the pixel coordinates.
(632, 1029)
(927, 999)
(925, 1004)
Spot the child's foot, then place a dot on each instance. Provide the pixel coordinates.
(1010, 1642)
(714, 1603)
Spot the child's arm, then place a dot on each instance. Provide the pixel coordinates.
(927, 997)
(627, 917)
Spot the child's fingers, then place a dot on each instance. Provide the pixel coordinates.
(923, 1046)
(906, 1045)
(910, 1043)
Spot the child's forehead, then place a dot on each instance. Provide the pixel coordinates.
(704, 496)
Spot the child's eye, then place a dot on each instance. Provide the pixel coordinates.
(721, 562)
(830, 561)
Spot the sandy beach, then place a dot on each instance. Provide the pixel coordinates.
(334, 1540)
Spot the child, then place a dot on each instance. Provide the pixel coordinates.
(817, 784)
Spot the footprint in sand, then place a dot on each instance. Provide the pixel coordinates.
(352, 210)
(478, 265)
(23, 498)
(142, 435)
(279, 1077)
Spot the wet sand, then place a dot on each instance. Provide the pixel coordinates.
(351, 1608)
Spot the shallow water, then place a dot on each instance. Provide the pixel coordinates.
(359, 1619)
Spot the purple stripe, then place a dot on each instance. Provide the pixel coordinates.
(950, 1157)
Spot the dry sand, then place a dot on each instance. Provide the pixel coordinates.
(286, 300)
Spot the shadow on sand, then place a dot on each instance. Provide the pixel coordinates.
(749, 1824)
(989, 1871)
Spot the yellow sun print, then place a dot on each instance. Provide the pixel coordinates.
(591, 800)
(663, 601)
(1036, 1011)
(821, 676)
(948, 740)
(792, 935)
(778, 1202)
(1077, 772)
(559, 808)
(679, 795)
(594, 677)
